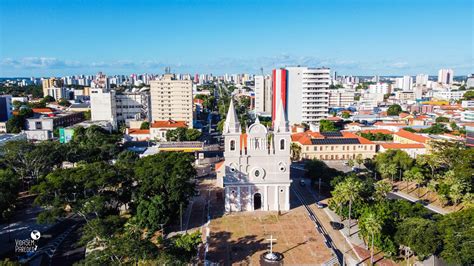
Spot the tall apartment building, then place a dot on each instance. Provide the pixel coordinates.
(445, 76)
(172, 99)
(263, 94)
(421, 79)
(55, 88)
(307, 98)
(341, 98)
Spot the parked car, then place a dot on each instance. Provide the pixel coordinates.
(321, 205)
(336, 225)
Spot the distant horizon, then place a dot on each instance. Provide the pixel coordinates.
(352, 37)
(216, 75)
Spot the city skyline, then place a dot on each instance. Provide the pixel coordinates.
(350, 37)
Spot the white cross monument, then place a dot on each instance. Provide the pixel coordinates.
(271, 239)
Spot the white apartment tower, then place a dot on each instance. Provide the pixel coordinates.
(421, 79)
(445, 76)
(263, 94)
(307, 94)
(103, 106)
(172, 99)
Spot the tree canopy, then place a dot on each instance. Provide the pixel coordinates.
(394, 109)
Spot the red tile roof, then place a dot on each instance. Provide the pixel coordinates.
(396, 146)
(411, 136)
(138, 131)
(304, 138)
(334, 118)
(42, 110)
(169, 124)
(389, 124)
(219, 164)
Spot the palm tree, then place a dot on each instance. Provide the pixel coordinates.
(419, 178)
(392, 170)
(295, 151)
(350, 189)
(359, 159)
(408, 176)
(382, 188)
(372, 225)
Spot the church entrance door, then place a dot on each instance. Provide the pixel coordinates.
(257, 201)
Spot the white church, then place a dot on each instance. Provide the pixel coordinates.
(256, 173)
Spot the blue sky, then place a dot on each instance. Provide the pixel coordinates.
(396, 37)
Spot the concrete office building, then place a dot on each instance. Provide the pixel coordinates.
(445, 76)
(307, 96)
(119, 108)
(172, 99)
(103, 106)
(263, 94)
(341, 98)
(42, 127)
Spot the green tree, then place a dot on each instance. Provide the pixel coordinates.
(49, 99)
(327, 126)
(346, 115)
(165, 183)
(193, 134)
(382, 188)
(9, 187)
(421, 235)
(346, 192)
(64, 102)
(370, 223)
(442, 119)
(468, 95)
(394, 109)
(295, 151)
(94, 188)
(145, 125)
(31, 161)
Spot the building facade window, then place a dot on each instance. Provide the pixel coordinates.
(232, 145)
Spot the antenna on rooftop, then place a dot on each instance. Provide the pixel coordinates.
(261, 70)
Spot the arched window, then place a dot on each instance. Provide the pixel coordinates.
(232, 145)
(282, 144)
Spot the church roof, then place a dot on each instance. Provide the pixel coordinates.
(232, 124)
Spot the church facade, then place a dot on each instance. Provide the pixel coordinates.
(257, 165)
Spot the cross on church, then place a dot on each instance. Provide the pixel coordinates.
(271, 239)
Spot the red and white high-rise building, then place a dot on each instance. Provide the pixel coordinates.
(280, 89)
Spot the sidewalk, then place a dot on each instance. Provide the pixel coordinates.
(401, 186)
(430, 206)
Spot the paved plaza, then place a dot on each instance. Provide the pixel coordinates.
(240, 238)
